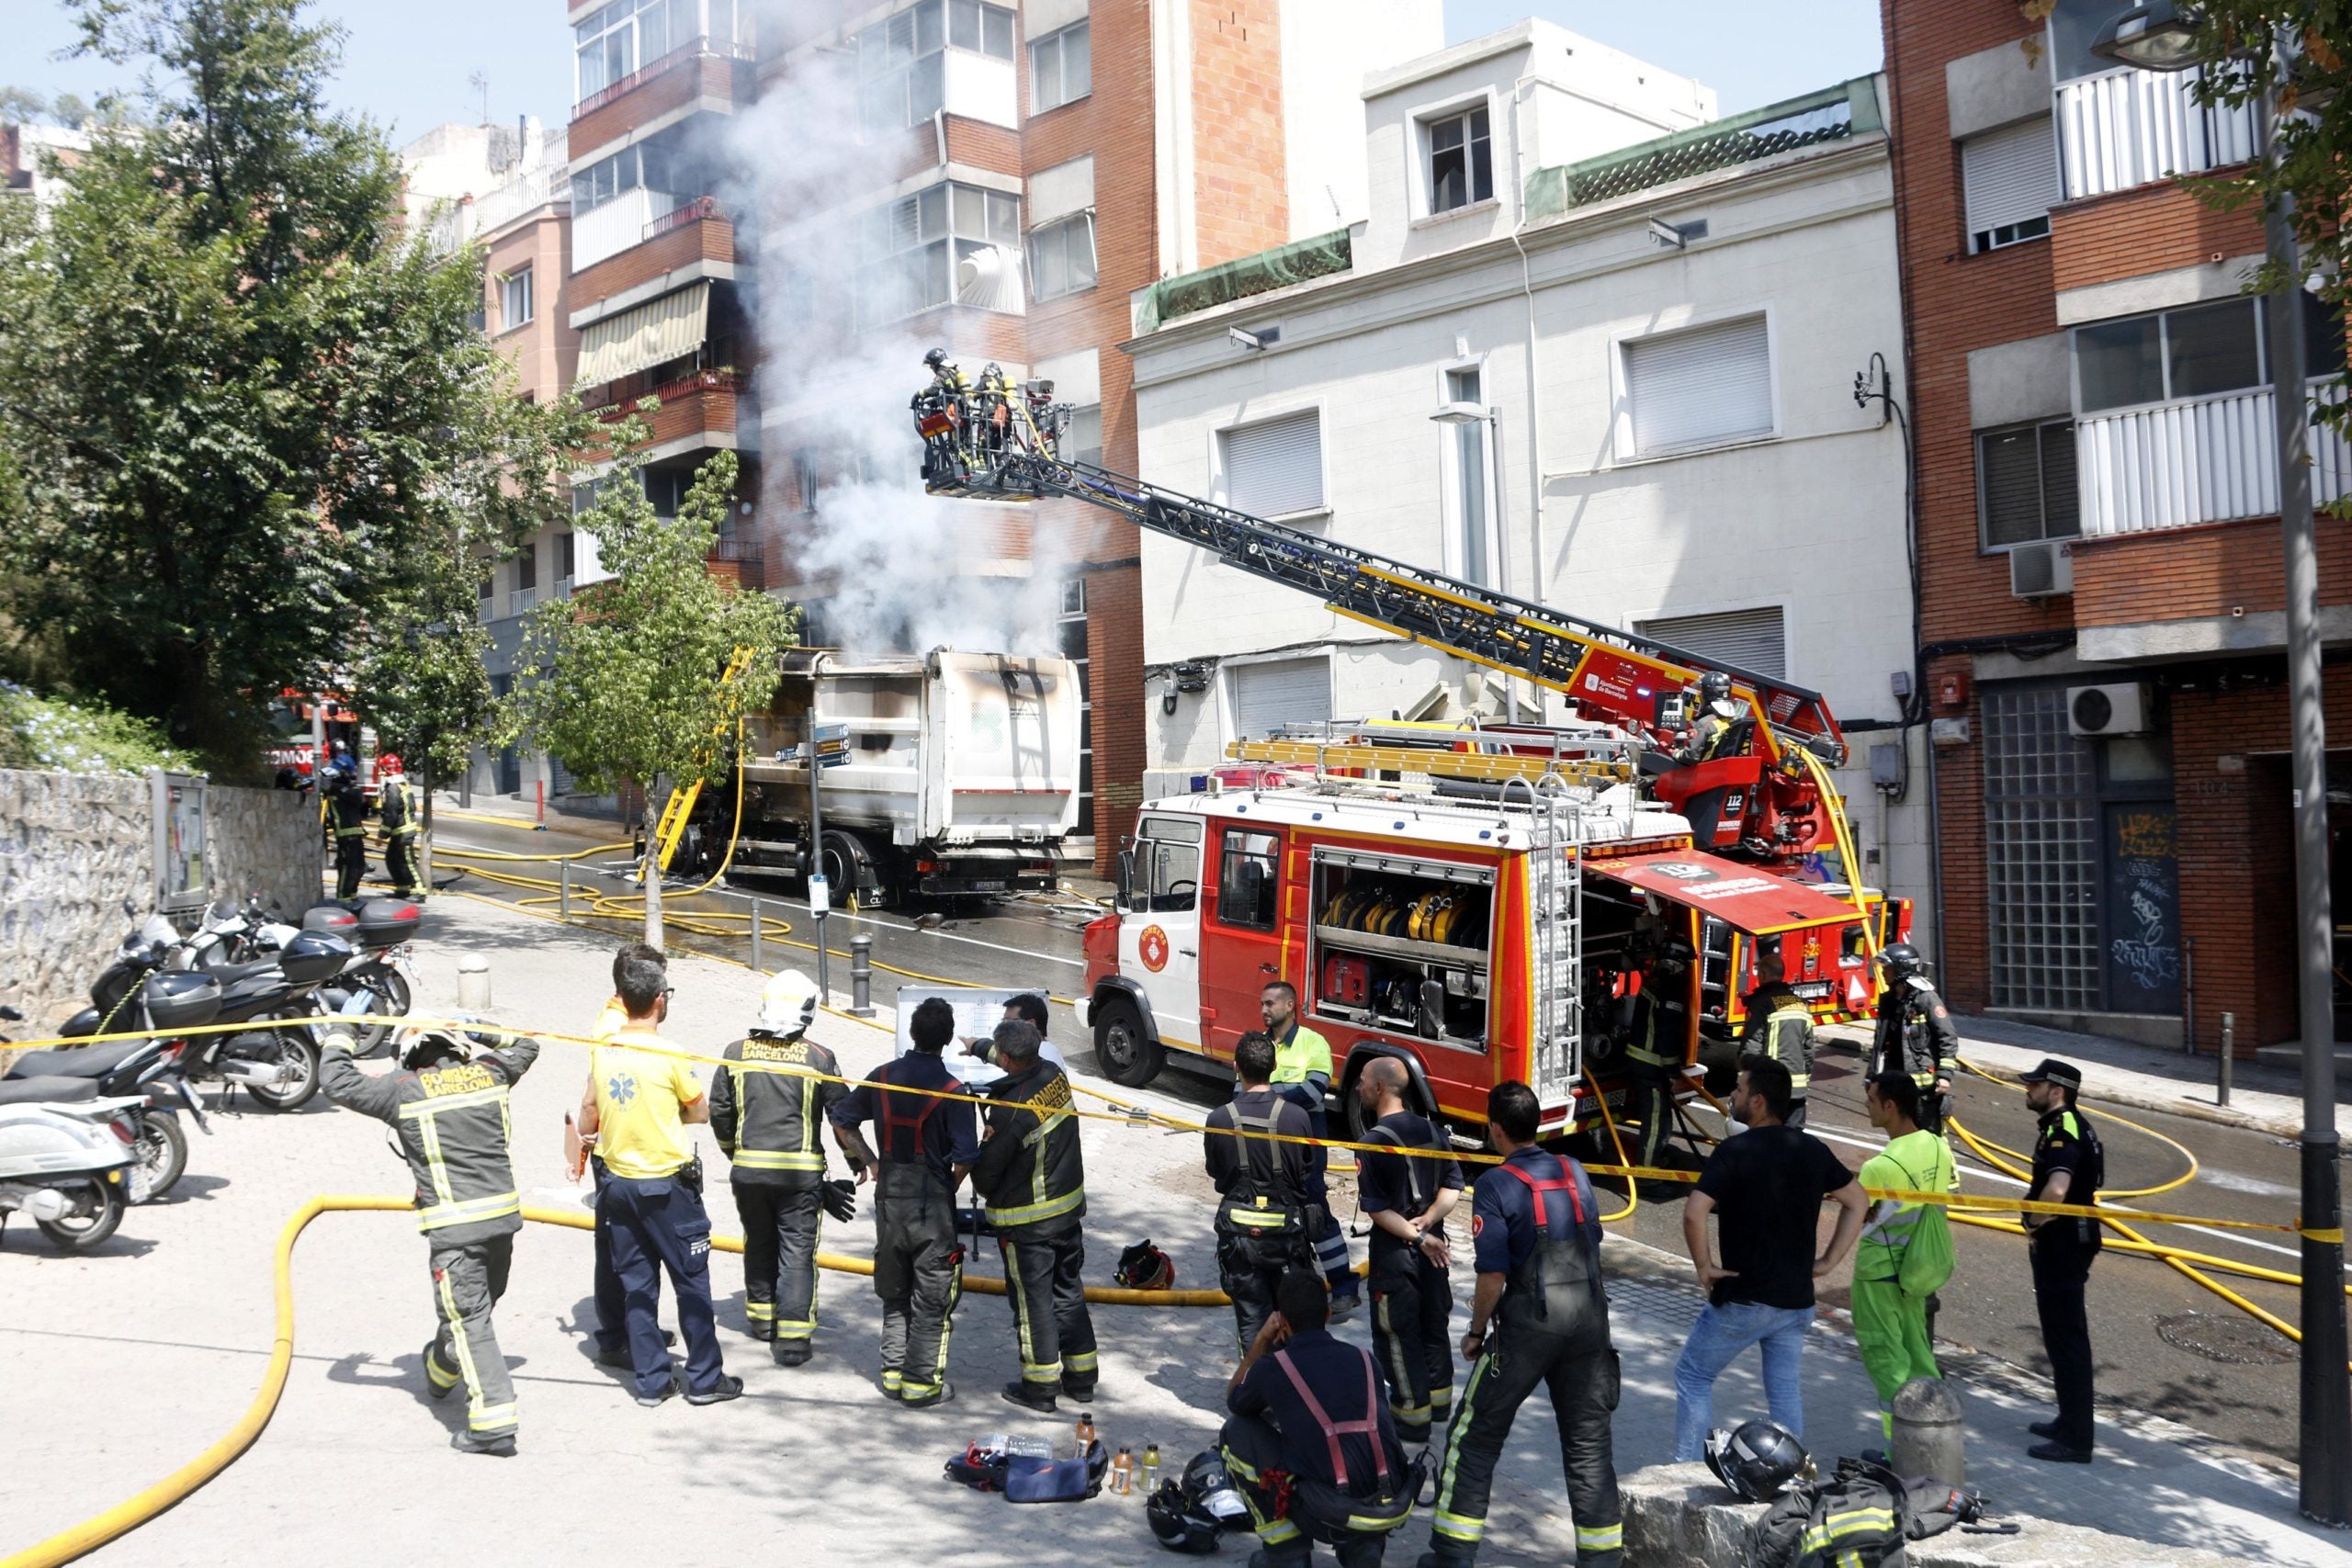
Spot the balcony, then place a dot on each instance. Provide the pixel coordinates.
(2209, 460)
(697, 71)
(520, 600)
(699, 404)
(665, 237)
(2132, 128)
(742, 562)
(618, 224)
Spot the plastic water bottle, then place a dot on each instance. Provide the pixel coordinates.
(1123, 1472)
(1150, 1468)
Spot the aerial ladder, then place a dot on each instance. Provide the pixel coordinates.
(671, 830)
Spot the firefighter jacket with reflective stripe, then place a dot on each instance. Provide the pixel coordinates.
(454, 1130)
(1030, 1171)
(402, 817)
(769, 1122)
(1655, 1038)
(1915, 1032)
(1263, 1182)
(1780, 1026)
(347, 808)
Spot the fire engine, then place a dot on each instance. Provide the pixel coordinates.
(298, 718)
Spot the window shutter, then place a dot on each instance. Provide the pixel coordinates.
(1752, 639)
(1289, 691)
(1697, 387)
(1276, 467)
(2010, 176)
(2012, 481)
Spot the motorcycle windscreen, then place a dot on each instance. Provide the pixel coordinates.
(1742, 896)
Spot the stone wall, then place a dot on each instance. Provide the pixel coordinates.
(264, 841)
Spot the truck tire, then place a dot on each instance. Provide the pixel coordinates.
(849, 869)
(1125, 1050)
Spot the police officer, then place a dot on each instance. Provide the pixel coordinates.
(2069, 1166)
(447, 1106)
(928, 1144)
(1915, 1032)
(1263, 1216)
(768, 1124)
(402, 819)
(1032, 1176)
(1780, 1024)
(1408, 1197)
(346, 806)
(1303, 1075)
(1540, 1319)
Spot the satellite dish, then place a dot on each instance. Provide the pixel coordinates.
(989, 277)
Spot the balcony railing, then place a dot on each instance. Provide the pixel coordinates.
(563, 588)
(520, 600)
(693, 50)
(606, 231)
(2212, 460)
(685, 213)
(2131, 128)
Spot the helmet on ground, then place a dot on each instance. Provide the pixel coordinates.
(1756, 1459)
(1210, 1490)
(1144, 1267)
(935, 358)
(789, 1004)
(1714, 686)
(1176, 1524)
(1901, 961)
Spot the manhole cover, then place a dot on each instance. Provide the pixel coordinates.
(2232, 1341)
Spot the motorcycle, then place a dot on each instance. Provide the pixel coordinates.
(382, 973)
(64, 1154)
(147, 1071)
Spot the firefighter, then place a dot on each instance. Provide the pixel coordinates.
(1408, 1198)
(768, 1124)
(1540, 1319)
(346, 807)
(1032, 1177)
(1263, 1216)
(1709, 737)
(1303, 1075)
(2069, 1166)
(447, 1106)
(1915, 1032)
(1780, 1024)
(929, 1144)
(1657, 1034)
(402, 812)
(948, 393)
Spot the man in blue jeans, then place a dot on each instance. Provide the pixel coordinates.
(1767, 1183)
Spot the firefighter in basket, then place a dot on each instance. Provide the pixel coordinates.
(940, 410)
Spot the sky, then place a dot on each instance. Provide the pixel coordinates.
(406, 63)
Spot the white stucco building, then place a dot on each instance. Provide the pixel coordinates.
(1661, 315)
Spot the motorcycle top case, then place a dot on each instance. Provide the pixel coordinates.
(176, 1001)
(386, 922)
(336, 920)
(313, 958)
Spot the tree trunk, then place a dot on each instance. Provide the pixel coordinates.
(652, 873)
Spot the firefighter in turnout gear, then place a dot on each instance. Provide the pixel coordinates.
(768, 1122)
(446, 1105)
(1915, 1032)
(1303, 1075)
(1540, 1319)
(1655, 1033)
(403, 813)
(1408, 1198)
(1032, 1176)
(2069, 1166)
(1264, 1219)
(1780, 1024)
(346, 808)
(1716, 730)
(929, 1143)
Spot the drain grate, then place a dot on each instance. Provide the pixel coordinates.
(2230, 1340)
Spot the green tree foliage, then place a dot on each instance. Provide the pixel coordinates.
(625, 685)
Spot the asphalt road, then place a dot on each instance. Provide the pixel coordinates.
(2163, 1343)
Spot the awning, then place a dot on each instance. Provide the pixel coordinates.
(1740, 895)
(648, 335)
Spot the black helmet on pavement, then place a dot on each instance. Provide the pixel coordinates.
(1176, 1524)
(1208, 1488)
(1756, 1459)
(935, 358)
(1901, 961)
(1714, 686)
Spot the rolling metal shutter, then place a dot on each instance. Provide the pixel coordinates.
(1695, 388)
(1276, 467)
(1287, 691)
(2010, 175)
(1753, 640)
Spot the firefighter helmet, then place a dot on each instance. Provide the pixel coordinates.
(1756, 1459)
(1714, 686)
(1176, 1524)
(789, 1005)
(1144, 1267)
(935, 359)
(420, 1047)
(1901, 961)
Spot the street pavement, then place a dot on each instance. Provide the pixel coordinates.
(123, 1364)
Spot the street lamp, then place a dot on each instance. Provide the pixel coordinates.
(1459, 414)
(2159, 36)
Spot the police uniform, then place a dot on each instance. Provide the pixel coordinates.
(1264, 1217)
(1032, 1176)
(1535, 1221)
(1314, 1453)
(1302, 1075)
(402, 820)
(1411, 1297)
(347, 812)
(1653, 1057)
(917, 1262)
(2062, 1248)
(1780, 1025)
(1916, 1036)
(768, 1122)
(452, 1123)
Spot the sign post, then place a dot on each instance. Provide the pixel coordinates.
(828, 747)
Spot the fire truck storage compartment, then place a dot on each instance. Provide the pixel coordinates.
(1387, 927)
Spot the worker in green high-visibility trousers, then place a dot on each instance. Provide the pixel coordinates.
(1904, 1254)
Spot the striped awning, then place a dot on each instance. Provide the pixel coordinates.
(648, 335)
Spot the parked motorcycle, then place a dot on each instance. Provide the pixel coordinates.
(64, 1154)
(382, 972)
(147, 1071)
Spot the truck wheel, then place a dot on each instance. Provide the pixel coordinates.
(846, 866)
(1127, 1054)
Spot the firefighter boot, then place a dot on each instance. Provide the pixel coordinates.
(1446, 1552)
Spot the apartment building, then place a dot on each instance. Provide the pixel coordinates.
(2100, 554)
(25, 146)
(1648, 421)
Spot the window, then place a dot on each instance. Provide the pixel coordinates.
(1274, 693)
(648, 166)
(567, 558)
(1461, 161)
(1072, 625)
(2025, 484)
(527, 565)
(1061, 68)
(1700, 388)
(624, 38)
(1083, 444)
(1248, 874)
(912, 246)
(514, 299)
(1167, 864)
(1756, 640)
(1061, 257)
(901, 67)
(1470, 477)
(1275, 468)
(1073, 590)
(805, 480)
(666, 489)
(2010, 180)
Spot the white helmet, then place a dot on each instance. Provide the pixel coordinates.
(789, 1003)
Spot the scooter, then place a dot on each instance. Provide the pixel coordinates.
(381, 974)
(65, 1152)
(147, 1070)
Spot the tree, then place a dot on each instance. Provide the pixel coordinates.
(71, 110)
(19, 105)
(623, 680)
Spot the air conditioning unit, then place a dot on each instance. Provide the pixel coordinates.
(2037, 571)
(990, 278)
(2095, 711)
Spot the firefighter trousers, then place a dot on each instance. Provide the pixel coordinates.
(1890, 1331)
(1650, 1101)
(1580, 1374)
(1288, 1525)
(350, 865)
(780, 1227)
(1249, 1267)
(399, 863)
(1045, 1278)
(1411, 1301)
(919, 1274)
(467, 1279)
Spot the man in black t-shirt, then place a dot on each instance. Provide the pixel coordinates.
(1407, 1197)
(1768, 1183)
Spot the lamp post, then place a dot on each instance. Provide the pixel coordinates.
(2162, 36)
(1458, 414)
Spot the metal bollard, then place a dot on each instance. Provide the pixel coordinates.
(2228, 1049)
(860, 974)
(1929, 1439)
(473, 984)
(563, 899)
(759, 939)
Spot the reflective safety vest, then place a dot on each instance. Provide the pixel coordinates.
(769, 1122)
(1916, 1162)
(1044, 1176)
(1780, 1026)
(402, 814)
(1557, 1261)
(1303, 1053)
(455, 1130)
(1264, 1199)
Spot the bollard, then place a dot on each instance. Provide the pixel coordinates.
(2228, 1049)
(473, 984)
(563, 898)
(1928, 1437)
(860, 974)
(759, 937)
